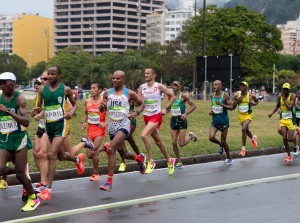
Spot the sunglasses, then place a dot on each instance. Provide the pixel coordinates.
(37, 83)
(44, 79)
(174, 84)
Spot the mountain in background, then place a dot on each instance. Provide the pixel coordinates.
(276, 11)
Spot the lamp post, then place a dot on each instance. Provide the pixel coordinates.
(46, 32)
(92, 28)
(274, 69)
(139, 12)
(231, 76)
(30, 56)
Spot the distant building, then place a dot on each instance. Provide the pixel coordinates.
(156, 27)
(164, 26)
(102, 25)
(175, 21)
(290, 36)
(28, 36)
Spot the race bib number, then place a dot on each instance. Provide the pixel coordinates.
(297, 114)
(243, 108)
(117, 113)
(287, 115)
(93, 118)
(175, 110)
(151, 105)
(53, 113)
(217, 109)
(8, 125)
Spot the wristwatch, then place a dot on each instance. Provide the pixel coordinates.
(8, 110)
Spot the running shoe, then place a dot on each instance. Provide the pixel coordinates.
(288, 159)
(88, 143)
(150, 167)
(296, 151)
(242, 152)
(171, 166)
(106, 145)
(142, 164)
(179, 165)
(122, 167)
(254, 141)
(193, 136)
(95, 177)
(39, 187)
(45, 194)
(3, 184)
(107, 187)
(31, 204)
(24, 194)
(221, 150)
(80, 164)
(27, 171)
(227, 162)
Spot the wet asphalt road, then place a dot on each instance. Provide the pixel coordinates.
(257, 189)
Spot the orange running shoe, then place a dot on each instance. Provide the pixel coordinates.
(95, 177)
(254, 142)
(242, 152)
(288, 159)
(45, 194)
(80, 164)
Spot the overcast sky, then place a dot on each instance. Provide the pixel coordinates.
(42, 7)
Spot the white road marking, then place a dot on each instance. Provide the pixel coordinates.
(156, 198)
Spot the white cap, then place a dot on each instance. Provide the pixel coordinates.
(7, 76)
(76, 87)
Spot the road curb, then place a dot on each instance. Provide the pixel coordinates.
(72, 173)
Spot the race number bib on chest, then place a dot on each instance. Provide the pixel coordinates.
(286, 115)
(117, 113)
(175, 110)
(243, 108)
(151, 105)
(93, 118)
(217, 109)
(8, 125)
(53, 113)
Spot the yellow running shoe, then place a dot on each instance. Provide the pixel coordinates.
(3, 184)
(31, 204)
(171, 166)
(150, 167)
(122, 167)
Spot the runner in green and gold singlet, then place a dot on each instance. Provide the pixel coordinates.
(53, 96)
(14, 138)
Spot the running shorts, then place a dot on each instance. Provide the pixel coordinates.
(95, 130)
(157, 118)
(287, 123)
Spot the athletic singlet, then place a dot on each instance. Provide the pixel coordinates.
(178, 107)
(244, 106)
(118, 111)
(7, 123)
(285, 113)
(93, 112)
(218, 111)
(152, 99)
(54, 103)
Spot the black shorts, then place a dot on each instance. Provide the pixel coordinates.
(177, 123)
(220, 126)
(127, 134)
(40, 132)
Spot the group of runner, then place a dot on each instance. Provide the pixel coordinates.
(55, 106)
